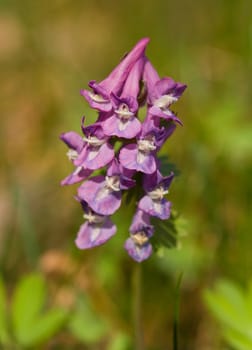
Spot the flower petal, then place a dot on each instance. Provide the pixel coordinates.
(101, 199)
(76, 176)
(72, 140)
(91, 235)
(122, 128)
(138, 253)
(133, 159)
(160, 209)
(95, 157)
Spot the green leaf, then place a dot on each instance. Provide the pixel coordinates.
(237, 340)
(231, 306)
(46, 326)
(85, 324)
(165, 233)
(28, 300)
(31, 326)
(121, 341)
(249, 299)
(4, 336)
(227, 303)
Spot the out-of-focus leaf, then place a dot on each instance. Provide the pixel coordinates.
(233, 294)
(120, 342)
(4, 336)
(228, 303)
(249, 300)
(85, 324)
(31, 326)
(165, 233)
(232, 132)
(237, 340)
(28, 300)
(46, 326)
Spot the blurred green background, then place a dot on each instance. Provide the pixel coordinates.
(49, 50)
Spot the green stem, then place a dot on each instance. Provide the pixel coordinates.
(137, 307)
(176, 312)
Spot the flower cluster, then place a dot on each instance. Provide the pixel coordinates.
(134, 83)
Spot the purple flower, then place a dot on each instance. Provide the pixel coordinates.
(154, 203)
(117, 99)
(123, 121)
(162, 134)
(162, 93)
(75, 143)
(95, 231)
(138, 245)
(100, 97)
(141, 156)
(97, 151)
(103, 194)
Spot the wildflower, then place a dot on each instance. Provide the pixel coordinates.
(141, 156)
(123, 152)
(99, 98)
(162, 93)
(96, 151)
(104, 193)
(123, 121)
(75, 143)
(154, 202)
(95, 231)
(138, 245)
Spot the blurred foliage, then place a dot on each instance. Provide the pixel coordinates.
(26, 325)
(49, 50)
(232, 307)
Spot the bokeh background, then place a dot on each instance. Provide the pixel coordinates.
(49, 50)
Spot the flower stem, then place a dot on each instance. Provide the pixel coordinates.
(137, 307)
(176, 312)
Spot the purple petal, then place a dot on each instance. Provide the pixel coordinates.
(95, 157)
(166, 181)
(126, 183)
(127, 172)
(122, 128)
(92, 235)
(101, 199)
(150, 182)
(138, 253)
(94, 129)
(133, 159)
(148, 125)
(141, 222)
(164, 86)
(98, 98)
(130, 101)
(87, 189)
(165, 114)
(131, 86)
(160, 209)
(78, 175)
(72, 140)
(151, 77)
(116, 79)
(128, 155)
(168, 86)
(114, 168)
(162, 134)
